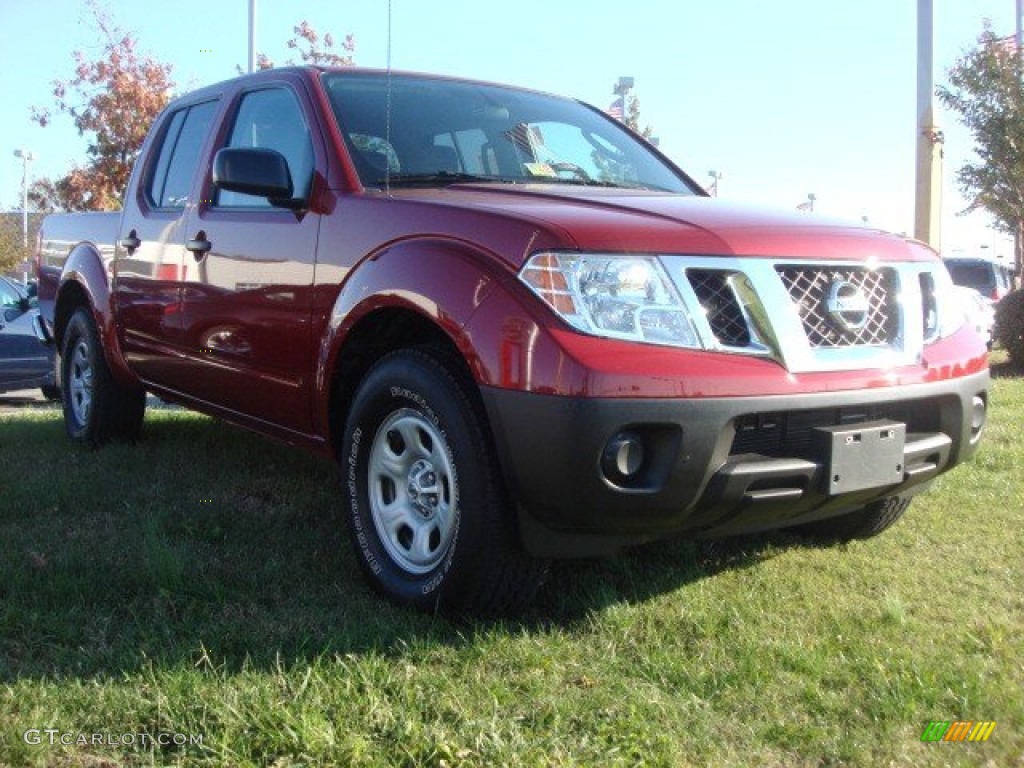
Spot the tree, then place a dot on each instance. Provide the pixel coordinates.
(985, 90)
(112, 99)
(633, 116)
(315, 50)
(12, 252)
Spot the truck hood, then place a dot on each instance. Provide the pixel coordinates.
(614, 220)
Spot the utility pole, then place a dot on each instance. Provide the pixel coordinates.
(252, 35)
(1020, 12)
(928, 197)
(1018, 232)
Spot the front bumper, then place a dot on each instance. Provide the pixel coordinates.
(710, 466)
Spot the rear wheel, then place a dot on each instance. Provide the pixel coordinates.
(426, 510)
(864, 523)
(96, 407)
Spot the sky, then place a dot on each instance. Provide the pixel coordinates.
(783, 99)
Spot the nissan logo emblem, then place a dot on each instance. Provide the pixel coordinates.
(847, 306)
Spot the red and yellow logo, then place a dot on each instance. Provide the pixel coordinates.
(958, 730)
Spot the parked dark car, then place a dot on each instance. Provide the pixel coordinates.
(25, 363)
(991, 279)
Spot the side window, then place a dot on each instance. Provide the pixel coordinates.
(179, 154)
(157, 182)
(9, 298)
(272, 119)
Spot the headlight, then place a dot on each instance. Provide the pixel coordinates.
(620, 296)
(944, 313)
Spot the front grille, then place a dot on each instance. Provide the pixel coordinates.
(790, 434)
(720, 305)
(810, 289)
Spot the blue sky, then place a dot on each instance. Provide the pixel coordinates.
(783, 98)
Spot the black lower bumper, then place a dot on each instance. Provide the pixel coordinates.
(591, 475)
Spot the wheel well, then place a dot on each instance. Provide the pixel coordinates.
(71, 297)
(378, 334)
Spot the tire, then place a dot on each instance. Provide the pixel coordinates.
(51, 392)
(96, 408)
(864, 523)
(430, 522)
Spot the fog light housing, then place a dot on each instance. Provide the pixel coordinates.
(623, 457)
(979, 414)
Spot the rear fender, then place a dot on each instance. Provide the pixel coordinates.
(86, 277)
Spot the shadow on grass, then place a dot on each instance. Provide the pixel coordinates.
(578, 588)
(205, 545)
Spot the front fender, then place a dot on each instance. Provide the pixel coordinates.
(444, 282)
(86, 278)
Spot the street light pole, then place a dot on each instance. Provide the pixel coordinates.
(26, 158)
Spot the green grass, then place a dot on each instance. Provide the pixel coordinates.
(200, 583)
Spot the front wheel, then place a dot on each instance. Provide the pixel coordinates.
(427, 512)
(96, 407)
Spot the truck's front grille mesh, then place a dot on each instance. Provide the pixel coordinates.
(864, 309)
(718, 300)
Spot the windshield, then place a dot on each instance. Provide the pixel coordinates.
(444, 131)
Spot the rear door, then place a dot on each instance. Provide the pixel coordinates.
(150, 254)
(247, 282)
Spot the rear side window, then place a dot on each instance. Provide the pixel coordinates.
(178, 157)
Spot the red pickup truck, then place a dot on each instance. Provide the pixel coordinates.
(521, 330)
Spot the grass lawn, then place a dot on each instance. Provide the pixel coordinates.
(199, 585)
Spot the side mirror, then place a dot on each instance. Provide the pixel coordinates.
(252, 171)
(12, 313)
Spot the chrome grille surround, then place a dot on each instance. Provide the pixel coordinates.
(785, 324)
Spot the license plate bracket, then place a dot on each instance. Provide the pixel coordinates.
(862, 456)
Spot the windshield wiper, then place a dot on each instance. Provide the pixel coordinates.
(592, 183)
(439, 177)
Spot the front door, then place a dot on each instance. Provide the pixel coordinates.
(248, 279)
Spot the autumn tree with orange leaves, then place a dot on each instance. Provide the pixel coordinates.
(112, 99)
(314, 49)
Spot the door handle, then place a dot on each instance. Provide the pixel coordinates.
(131, 242)
(199, 245)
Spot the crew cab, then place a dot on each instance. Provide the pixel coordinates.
(520, 330)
